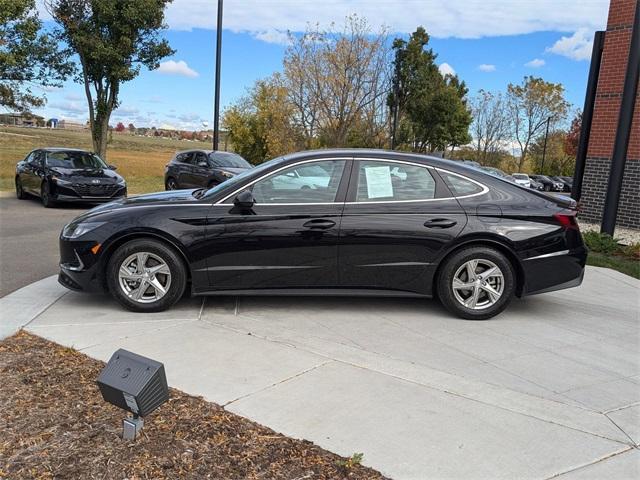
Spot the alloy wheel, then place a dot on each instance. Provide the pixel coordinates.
(172, 185)
(478, 284)
(144, 277)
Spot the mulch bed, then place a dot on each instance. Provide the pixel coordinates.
(54, 424)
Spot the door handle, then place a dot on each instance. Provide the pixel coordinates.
(319, 224)
(440, 223)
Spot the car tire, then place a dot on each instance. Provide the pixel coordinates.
(456, 290)
(20, 194)
(171, 276)
(45, 195)
(547, 188)
(171, 184)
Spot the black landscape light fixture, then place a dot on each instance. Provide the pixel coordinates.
(136, 384)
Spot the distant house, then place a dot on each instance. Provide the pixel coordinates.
(21, 119)
(70, 125)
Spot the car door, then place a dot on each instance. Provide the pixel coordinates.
(24, 171)
(34, 172)
(185, 167)
(200, 170)
(398, 218)
(288, 239)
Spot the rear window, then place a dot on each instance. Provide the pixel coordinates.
(460, 186)
(230, 160)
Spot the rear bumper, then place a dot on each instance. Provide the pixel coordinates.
(555, 271)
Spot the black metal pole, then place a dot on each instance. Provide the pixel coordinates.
(216, 101)
(587, 114)
(619, 157)
(544, 148)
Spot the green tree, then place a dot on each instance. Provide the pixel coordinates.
(556, 160)
(531, 105)
(261, 124)
(429, 110)
(113, 39)
(28, 57)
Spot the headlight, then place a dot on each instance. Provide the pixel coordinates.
(226, 174)
(60, 181)
(75, 230)
(121, 181)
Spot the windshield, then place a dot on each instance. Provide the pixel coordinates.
(230, 160)
(240, 178)
(78, 160)
(520, 176)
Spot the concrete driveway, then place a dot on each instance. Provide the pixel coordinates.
(551, 388)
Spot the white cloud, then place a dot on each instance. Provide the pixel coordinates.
(577, 46)
(446, 69)
(535, 63)
(73, 96)
(171, 67)
(70, 107)
(441, 18)
(486, 67)
(125, 110)
(273, 36)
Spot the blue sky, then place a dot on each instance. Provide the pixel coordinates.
(488, 43)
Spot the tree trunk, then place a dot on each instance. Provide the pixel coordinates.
(100, 134)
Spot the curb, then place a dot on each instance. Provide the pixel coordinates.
(23, 305)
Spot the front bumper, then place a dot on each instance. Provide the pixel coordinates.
(87, 193)
(80, 269)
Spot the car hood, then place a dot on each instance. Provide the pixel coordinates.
(88, 175)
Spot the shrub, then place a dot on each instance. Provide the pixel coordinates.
(601, 242)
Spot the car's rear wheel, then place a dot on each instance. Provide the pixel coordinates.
(45, 195)
(19, 190)
(146, 276)
(171, 184)
(476, 283)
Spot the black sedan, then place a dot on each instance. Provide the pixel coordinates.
(202, 169)
(67, 175)
(363, 222)
(548, 184)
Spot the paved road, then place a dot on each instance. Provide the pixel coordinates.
(29, 240)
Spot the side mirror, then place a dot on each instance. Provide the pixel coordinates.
(112, 167)
(244, 200)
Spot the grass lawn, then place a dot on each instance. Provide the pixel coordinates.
(140, 160)
(55, 424)
(624, 265)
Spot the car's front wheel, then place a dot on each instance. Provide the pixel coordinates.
(476, 283)
(45, 195)
(146, 276)
(171, 184)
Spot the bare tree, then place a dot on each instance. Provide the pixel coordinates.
(490, 127)
(531, 106)
(338, 82)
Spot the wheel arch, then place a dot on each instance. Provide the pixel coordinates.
(114, 243)
(494, 243)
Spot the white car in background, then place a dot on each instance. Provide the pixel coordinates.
(522, 179)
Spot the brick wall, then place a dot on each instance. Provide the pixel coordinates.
(605, 121)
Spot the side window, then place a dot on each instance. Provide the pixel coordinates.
(199, 157)
(29, 158)
(37, 159)
(392, 182)
(460, 186)
(183, 157)
(307, 183)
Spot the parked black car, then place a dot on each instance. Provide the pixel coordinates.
(566, 184)
(202, 169)
(549, 185)
(363, 222)
(67, 175)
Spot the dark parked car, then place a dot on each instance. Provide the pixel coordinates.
(371, 223)
(67, 175)
(548, 184)
(202, 169)
(566, 185)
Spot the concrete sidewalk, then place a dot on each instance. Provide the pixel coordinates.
(549, 388)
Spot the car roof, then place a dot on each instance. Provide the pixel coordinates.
(383, 154)
(62, 149)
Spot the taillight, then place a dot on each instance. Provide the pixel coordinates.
(567, 221)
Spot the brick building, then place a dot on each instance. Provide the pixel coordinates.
(606, 112)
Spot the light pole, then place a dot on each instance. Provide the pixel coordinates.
(544, 148)
(216, 96)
